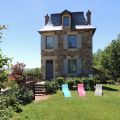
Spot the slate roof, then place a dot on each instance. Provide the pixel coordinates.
(78, 21)
(77, 18)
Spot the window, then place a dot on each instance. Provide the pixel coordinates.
(49, 42)
(72, 66)
(72, 41)
(66, 21)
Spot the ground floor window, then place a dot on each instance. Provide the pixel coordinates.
(72, 66)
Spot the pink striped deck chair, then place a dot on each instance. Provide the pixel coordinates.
(81, 90)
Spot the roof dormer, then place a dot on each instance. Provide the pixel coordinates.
(66, 19)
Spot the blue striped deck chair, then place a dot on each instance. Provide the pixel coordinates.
(65, 90)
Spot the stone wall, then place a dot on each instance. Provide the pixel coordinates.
(85, 52)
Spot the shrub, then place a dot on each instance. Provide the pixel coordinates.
(60, 81)
(10, 97)
(71, 83)
(6, 113)
(118, 80)
(25, 96)
(78, 81)
(51, 87)
(16, 96)
(88, 83)
(11, 100)
(17, 108)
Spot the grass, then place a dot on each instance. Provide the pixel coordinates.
(89, 107)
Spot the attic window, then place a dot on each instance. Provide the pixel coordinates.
(66, 21)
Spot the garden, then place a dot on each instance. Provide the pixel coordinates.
(89, 107)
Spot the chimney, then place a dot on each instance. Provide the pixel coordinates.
(46, 19)
(88, 14)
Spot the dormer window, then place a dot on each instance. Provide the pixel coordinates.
(66, 21)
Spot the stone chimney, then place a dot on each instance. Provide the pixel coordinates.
(46, 19)
(88, 14)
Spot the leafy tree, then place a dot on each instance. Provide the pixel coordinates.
(108, 60)
(97, 58)
(4, 64)
(18, 73)
(33, 73)
(111, 59)
(2, 27)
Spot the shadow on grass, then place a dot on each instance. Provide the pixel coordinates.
(109, 89)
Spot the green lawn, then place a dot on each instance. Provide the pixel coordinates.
(89, 107)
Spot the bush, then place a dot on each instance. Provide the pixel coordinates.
(11, 99)
(71, 83)
(51, 87)
(60, 80)
(88, 83)
(16, 96)
(6, 113)
(17, 108)
(25, 96)
(78, 81)
(118, 80)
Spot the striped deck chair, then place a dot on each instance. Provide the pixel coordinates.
(98, 90)
(81, 90)
(65, 90)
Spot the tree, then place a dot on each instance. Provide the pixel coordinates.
(33, 73)
(97, 58)
(4, 64)
(108, 60)
(111, 59)
(2, 27)
(18, 73)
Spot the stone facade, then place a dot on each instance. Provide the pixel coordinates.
(61, 53)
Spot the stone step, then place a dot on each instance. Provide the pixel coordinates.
(39, 86)
(40, 94)
(40, 90)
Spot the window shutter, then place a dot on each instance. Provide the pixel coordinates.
(65, 41)
(79, 66)
(55, 42)
(65, 66)
(43, 42)
(79, 41)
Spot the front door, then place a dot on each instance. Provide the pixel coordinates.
(49, 69)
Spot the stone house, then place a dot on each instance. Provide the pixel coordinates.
(66, 44)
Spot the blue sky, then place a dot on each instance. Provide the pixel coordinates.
(25, 17)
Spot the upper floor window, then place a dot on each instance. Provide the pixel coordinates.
(72, 66)
(66, 21)
(72, 41)
(49, 42)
